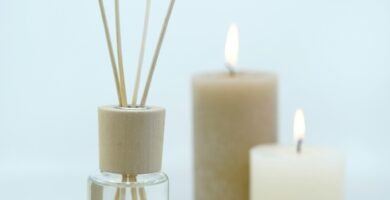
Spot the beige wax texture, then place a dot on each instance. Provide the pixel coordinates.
(231, 115)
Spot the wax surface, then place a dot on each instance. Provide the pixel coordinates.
(231, 115)
(279, 173)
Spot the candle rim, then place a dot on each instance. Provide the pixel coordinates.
(239, 75)
(277, 151)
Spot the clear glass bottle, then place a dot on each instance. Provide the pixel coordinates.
(109, 186)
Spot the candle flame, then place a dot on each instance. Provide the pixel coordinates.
(299, 125)
(232, 45)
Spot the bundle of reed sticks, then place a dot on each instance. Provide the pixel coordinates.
(117, 62)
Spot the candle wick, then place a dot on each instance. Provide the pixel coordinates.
(299, 146)
(230, 67)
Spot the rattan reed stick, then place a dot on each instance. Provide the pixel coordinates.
(120, 57)
(157, 53)
(141, 53)
(110, 50)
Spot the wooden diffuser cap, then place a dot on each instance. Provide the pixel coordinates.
(131, 140)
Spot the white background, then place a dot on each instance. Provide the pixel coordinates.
(332, 58)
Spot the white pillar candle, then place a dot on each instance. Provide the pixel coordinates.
(281, 172)
(232, 113)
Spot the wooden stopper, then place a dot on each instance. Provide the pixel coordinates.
(131, 139)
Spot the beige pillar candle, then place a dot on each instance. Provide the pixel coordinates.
(233, 111)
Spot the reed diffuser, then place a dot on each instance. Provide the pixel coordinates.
(130, 135)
